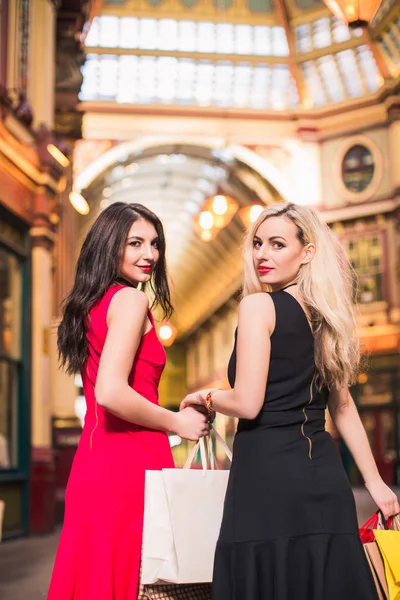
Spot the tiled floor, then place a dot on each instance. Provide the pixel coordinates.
(25, 564)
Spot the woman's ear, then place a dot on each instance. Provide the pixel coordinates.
(309, 253)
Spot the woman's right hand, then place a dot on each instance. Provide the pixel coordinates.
(191, 424)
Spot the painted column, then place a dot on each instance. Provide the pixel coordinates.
(41, 62)
(42, 483)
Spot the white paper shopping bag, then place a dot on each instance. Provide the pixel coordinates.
(182, 518)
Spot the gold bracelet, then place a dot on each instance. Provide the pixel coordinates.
(209, 401)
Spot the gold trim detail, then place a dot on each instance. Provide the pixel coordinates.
(306, 418)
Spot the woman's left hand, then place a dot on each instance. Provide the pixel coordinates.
(197, 400)
(384, 498)
(194, 399)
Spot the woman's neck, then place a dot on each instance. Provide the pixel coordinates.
(123, 281)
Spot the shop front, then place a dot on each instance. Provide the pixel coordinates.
(14, 372)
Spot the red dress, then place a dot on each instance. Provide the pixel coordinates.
(98, 557)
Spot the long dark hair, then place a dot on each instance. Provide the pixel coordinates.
(97, 269)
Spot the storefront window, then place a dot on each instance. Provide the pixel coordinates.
(366, 257)
(10, 355)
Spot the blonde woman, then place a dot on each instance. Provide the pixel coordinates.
(289, 528)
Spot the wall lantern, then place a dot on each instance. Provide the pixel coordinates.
(79, 203)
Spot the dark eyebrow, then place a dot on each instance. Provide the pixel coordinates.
(277, 237)
(274, 237)
(139, 239)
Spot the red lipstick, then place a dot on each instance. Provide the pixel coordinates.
(264, 270)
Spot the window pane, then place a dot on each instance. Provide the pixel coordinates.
(224, 34)
(331, 78)
(314, 84)
(93, 37)
(186, 81)
(368, 68)
(168, 34)
(262, 40)
(241, 85)
(186, 36)
(148, 34)
(8, 415)
(340, 31)
(350, 73)
(108, 77)
(166, 78)
(10, 305)
(127, 86)
(223, 84)
(321, 33)
(260, 88)
(206, 37)
(244, 39)
(279, 87)
(147, 79)
(109, 32)
(204, 83)
(91, 78)
(303, 37)
(129, 32)
(279, 42)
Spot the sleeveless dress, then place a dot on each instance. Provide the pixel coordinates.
(289, 528)
(99, 552)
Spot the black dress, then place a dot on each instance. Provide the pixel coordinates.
(289, 528)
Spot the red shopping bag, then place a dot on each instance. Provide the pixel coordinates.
(366, 530)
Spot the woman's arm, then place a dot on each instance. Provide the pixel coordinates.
(255, 327)
(126, 319)
(349, 425)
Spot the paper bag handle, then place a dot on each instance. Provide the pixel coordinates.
(201, 444)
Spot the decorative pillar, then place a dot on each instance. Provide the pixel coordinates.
(41, 62)
(42, 483)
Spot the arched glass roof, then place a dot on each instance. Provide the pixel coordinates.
(261, 55)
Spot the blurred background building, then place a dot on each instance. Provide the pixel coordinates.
(204, 111)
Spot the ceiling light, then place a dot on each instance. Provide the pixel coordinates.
(220, 205)
(249, 214)
(206, 220)
(206, 236)
(355, 13)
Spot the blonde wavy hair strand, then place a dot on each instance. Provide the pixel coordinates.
(326, 286)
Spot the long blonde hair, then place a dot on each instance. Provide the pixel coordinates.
(326, 286)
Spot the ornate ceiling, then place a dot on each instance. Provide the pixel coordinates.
(257, 55)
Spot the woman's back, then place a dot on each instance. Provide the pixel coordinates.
(146, 369)
(291, 395)
(289, 519)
